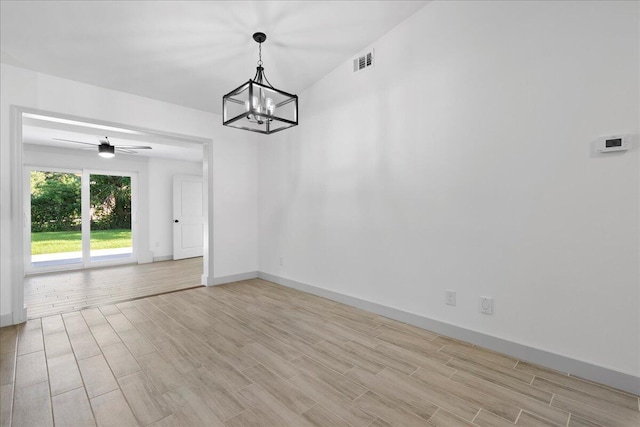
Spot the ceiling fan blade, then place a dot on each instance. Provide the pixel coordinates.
(76, 142)
(124, 150)
(135, 147)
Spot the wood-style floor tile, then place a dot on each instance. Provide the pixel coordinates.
(97, 376)
(395, 393)
(137, 343)
(31, 369)
(221, 402)
(7, 367)
(443, 418)
(72, 409)
(6, 404)
(590, 413)
(290, 396)
(585, 398)
(64, 374)
(74, 323)
(254, 353)
(8, 339)
(145, 401)
(334, 401)
(52, 324)
(481, 398)
(557, 416)
(120, 360)
(410, 389)
(527, 419)
(596, 390)
(382, 408)
(320, 417)
(339, 382)
(111, 410)
(57, 344)
(104, 335)
(119, 322)
(29, 339)
(84, 345)
(576, 421)
(69, 291)
(32, 406)
(247, 418)
(189, 409)
(163, 376)
(270, 360)
(269, 409)
(487, 419)
(501, 379)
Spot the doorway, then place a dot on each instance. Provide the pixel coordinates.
(30, 126)
(78, 218)
(188, 223)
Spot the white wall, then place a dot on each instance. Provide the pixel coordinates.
(235, 219)
(234, 162)
(161, 173)
(462, 161)
(235, 206)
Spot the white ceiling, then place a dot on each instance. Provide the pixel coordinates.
(191, 53)
(44, 137)
(42, 131)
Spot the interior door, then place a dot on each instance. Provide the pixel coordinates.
(188, 218)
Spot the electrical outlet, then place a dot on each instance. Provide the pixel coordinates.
(486, 305)
(281, 261)
(450, 297)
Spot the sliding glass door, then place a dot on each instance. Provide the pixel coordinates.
(110, 212)
(79, 218)
(56, 218)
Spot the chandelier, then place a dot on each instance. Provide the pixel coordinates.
(257, 106)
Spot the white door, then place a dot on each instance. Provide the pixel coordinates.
(188, 218)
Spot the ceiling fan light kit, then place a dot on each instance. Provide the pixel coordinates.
(257, 106)
(106, 150)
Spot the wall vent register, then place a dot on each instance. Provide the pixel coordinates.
(364, 61)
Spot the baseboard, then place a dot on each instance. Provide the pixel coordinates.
(162, 258)
(235, 278)
(558, 362)
(6, 319)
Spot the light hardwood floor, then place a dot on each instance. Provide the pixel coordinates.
(60, 292)
(253, 353)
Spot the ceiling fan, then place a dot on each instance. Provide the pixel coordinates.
(106, 150)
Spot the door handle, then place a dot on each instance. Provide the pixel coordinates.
(175, 220)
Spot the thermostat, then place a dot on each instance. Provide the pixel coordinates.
(607, 144)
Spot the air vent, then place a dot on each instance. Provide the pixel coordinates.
(363, 61)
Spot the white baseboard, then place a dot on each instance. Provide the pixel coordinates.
(228, 279)
(560, 363)
(6, 319)
(235, 278)
(162, 258)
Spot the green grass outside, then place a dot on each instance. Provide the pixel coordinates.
(52, 242)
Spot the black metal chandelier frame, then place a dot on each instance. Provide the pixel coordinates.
(262, 118)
